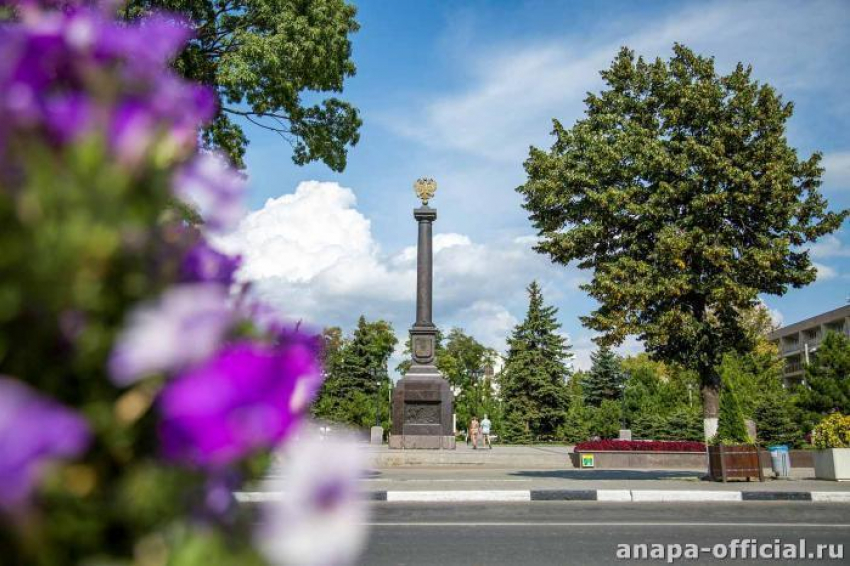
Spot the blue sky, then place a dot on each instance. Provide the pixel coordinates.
(458, 92)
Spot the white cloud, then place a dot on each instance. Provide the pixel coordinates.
(584, 347)
(825, 272)
(776, 317)
(440, 242)
(312, 255)
(836, 171)
(490, 323)
(527, 240)
(516, 89)
(829, 246)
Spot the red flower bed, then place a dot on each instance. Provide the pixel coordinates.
(641, 445)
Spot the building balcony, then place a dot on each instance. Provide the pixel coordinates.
(793, 367)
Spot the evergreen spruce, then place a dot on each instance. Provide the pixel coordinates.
(775, 421)
(534, 378)
(606, 378)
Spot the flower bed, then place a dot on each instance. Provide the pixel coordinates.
(642, 454)
(640, 446)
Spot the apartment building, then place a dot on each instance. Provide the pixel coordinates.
(799, 342)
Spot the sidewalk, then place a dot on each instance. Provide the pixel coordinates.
(531, 457)
(543, 473)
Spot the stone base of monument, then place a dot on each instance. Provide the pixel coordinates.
(376, 435)
(422, 411)
(421, 442)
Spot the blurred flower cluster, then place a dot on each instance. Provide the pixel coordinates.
(139, 386)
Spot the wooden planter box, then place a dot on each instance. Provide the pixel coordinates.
(733, 462)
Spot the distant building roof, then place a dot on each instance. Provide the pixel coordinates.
(823, 318)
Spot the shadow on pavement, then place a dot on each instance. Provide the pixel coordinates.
(612, 474)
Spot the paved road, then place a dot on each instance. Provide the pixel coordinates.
(561, 533)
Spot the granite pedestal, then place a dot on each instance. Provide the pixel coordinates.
(422, 413)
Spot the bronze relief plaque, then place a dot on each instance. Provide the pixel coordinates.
(422, 413)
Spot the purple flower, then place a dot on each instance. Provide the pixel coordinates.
(239, 401)
(68, 117)
(206, 264)
(209, 183)
(320, 478)
(76, 71)
(33, 432)
(132, 130)
(183, 327)
(309, 383)
(147, 46)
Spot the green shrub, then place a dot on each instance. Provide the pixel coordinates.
(832, 432)
(605, 421)
(684, 423)
(576, 425)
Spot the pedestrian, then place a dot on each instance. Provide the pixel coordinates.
(473, 432)
(485, 431)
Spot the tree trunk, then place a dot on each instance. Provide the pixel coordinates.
(710, 400)
(710, 407)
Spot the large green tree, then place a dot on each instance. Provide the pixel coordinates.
(533, 381)
(268, 61)
(679, 190)
(467, 364)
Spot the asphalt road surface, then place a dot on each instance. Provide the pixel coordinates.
(587, 533)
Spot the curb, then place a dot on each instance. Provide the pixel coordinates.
(601, 495)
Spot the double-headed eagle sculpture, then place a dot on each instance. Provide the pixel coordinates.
(425, 189)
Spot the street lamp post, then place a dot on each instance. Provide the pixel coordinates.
(376, 376)
(623, 406)
(477, 374)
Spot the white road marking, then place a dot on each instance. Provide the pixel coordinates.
(426, 480)
(831, 496)
(613, 524)
(656, 495)
(429, 496)
(613, 495)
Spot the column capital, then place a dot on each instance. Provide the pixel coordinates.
(425, 213)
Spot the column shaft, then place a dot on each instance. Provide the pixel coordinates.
(424, 275)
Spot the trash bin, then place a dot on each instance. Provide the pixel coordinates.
(780, 461)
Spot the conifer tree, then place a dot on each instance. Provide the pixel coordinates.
(828, 380)
(774, 420)
(534, 379)
(576, 425)
(731, 428)
(350, 393)
(606, 377)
